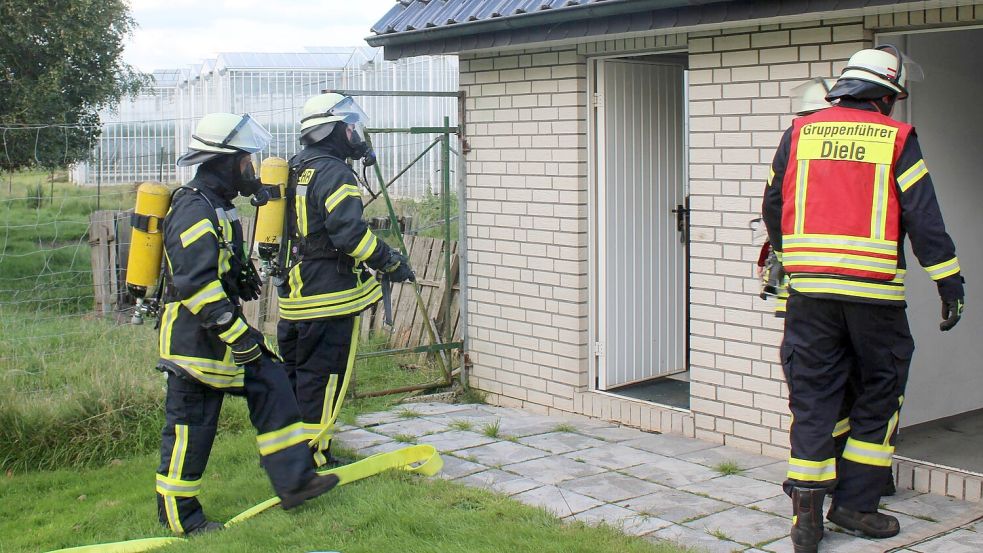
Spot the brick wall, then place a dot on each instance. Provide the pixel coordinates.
(527, 218)
(527, 224)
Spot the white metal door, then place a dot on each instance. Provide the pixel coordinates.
(640, 255)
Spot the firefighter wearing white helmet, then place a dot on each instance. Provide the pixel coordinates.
(328, 284)
(206, 347)
(842, 245)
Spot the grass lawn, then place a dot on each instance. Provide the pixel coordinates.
(392, 512)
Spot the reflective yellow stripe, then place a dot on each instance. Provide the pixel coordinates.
(778, 254)
(891, 425)
(166, 326)
(331, 298)
(210, 293)
(296, 283)
(300, 206)
(771, 175)
(811, 471)
(196, 231)
(841, 428)
(800, 197)
(174, 470)
(878, 212)
(278, 440)
(215, 381)
(944, 269)
(866, 453)
(238, 328)
(366, 247)
(914, 174)
(176, 487)
(805, 241)
(373, 295)
(343, 191)
(842, 260)
(892, 290)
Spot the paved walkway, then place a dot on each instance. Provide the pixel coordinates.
(659, 486)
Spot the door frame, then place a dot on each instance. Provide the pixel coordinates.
(595, 213)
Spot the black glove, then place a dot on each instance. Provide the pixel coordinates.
(249, 284)
(952, 311)
(248, 346)
(397, 269)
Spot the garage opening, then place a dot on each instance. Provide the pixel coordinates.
(942, 417)
(639, 238)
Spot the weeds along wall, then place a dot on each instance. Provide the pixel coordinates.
(142, 138)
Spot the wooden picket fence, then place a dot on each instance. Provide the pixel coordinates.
(109, 238)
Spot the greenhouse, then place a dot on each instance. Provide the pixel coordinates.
(143, 137)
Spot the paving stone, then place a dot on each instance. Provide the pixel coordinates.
(472, 415)
(910, 526)
(561, 442)
(383, 448)
(526, 426)
(615, 456)
(612, 486)
(715, 455)
(833, 542)
(377, 418)
(674, 505)
(695, 540)
(500, 481)
(435, 408)
(553, 470)
(930, 506)
(743, 525)
(614, 433)
(558, 501)
(899, 496)
(960, 541)
(410, 427)
(455, 440)
(626, 520)
(774, 473)
(672, 472)
(735, 489)
(502, 453)
(780, 505)
(455, 467)
(669, 445)
(359, 439)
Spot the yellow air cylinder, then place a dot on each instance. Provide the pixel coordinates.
(146, 238)
(269, 217)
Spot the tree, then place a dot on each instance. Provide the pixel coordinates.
(60, 63)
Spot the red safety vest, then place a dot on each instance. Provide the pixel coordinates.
(840, 212)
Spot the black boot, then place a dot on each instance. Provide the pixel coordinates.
(889, 489)
(205, 528)
(314, 487)
(807, 519)
(873, 525)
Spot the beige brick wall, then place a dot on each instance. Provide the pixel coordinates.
(527, 218)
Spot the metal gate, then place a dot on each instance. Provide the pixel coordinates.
(639, 241)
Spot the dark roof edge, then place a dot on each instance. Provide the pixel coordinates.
(530, 19)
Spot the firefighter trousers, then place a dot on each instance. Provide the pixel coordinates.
(192, 411)
(319, 355)
(841, 443)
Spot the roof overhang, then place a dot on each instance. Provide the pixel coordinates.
(612, 19)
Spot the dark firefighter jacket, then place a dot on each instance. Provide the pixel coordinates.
(329, 279)
(919, 218)
(201, 232)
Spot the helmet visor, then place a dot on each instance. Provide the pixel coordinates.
(248, 136)
(351, 113)
(811, 95)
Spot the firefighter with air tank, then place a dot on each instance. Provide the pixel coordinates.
(206, 347)
(848, 184)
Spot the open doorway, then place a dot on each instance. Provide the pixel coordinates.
(639, 231)
(943, 411)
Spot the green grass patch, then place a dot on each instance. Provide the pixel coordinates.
(492, 429)
(390, 512)
(460, 424)
(407, 413)
(728, 468)
(471, 395)
(404, 438)
(564, 427)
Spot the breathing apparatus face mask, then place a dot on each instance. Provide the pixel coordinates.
(247, 183)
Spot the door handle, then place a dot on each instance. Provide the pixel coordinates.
(682, 218)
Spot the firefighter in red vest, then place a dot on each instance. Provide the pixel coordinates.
(848, 184)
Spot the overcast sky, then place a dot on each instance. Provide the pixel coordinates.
(175, 33)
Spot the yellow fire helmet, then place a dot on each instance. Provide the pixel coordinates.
(323, 111)
(224, 133)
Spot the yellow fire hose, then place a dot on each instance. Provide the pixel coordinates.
(419, 459)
